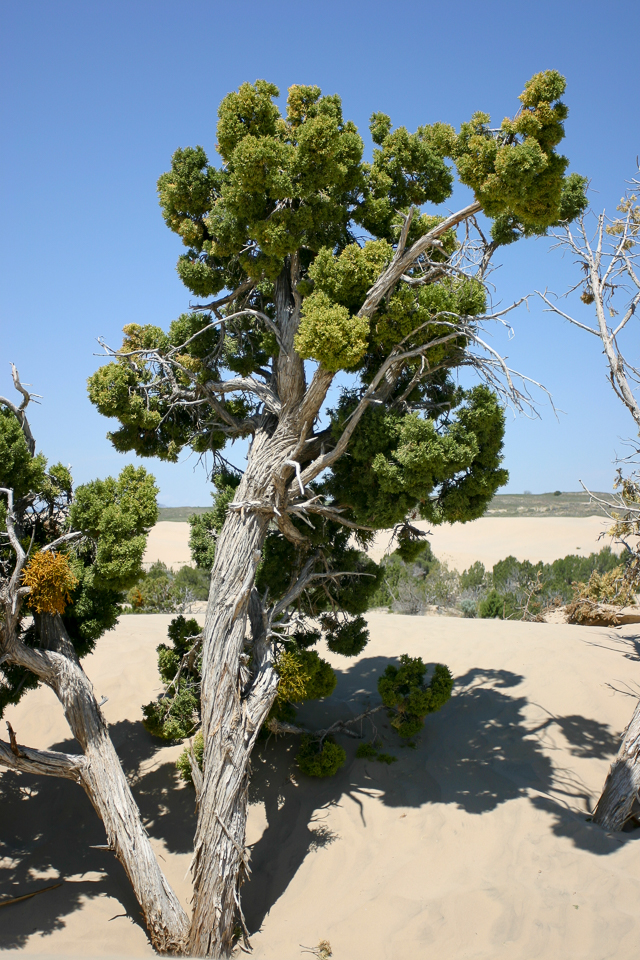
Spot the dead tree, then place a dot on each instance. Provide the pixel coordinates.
(608, 260)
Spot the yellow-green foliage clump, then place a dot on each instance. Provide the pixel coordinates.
(303, 676)
(328, 333)
(51, 580)
(612, 588)
(330, 330)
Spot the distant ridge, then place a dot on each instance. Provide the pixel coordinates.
(179, 514)
(502, 505)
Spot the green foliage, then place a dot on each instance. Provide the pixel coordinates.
(474, 577)
(160, 590)
(399, 462)
(513, 589)
(320, 760)
(175, 714)
(369, 751)
(295, 184)
(329, 334)
(469, 607)
(366, 751)
(492, 606)
(206, 526)
(304, 675)
(407, 579)
(410, 700)
(174, 721)
(348, 637)
(182, 763)
(18, 468)
(114, 515)
(517, 175)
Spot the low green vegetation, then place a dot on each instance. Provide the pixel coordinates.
(161, 590)
(512, 590)
(175, 715)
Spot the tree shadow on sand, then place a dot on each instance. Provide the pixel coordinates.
(478, 752)
(50, 830)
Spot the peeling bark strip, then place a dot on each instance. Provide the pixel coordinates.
(621, 788)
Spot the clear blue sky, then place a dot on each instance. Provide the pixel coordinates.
(97, 95)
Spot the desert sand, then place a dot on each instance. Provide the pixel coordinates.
(489, 539)
(474, 846)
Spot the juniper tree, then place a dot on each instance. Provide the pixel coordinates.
(66, 559)
(319, 269)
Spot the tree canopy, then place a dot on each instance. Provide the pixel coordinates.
(327, 272)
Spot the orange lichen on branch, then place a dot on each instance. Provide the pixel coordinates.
(51, 580)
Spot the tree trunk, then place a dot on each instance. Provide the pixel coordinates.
(100, 773)
(231, 719)
(236, 701)
(614, 808)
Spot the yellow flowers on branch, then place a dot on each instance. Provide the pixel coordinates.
(51, 580)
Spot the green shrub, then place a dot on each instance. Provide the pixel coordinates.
(492, 606)
(410, 700)
(348, 638)
(320, 761)
(469, 608)
(474, 577)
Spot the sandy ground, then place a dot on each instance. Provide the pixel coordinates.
(489, 539)
(474, 846)
(168, 542)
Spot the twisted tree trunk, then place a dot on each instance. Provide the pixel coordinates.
(100, 773)
(236, 700)
(615, 806)
(232, 714)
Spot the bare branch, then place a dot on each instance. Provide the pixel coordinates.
(47, 762)
(19, 411)
(554, 309)
(244, 287)
(247, 385)
(400, 265)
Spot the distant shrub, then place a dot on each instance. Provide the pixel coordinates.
(160, 590)
(492, 606)
(469, 608)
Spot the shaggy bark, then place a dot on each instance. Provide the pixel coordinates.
(234, 711)
(615, 806)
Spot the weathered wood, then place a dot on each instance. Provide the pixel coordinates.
(100, 773)
(231, 719)
(615, 806)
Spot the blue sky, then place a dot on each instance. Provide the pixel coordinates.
(97, 96)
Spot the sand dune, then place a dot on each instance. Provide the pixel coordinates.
(489, 539)
(474, 845)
